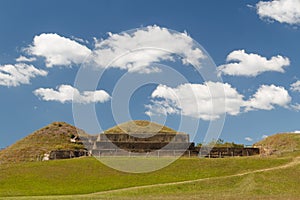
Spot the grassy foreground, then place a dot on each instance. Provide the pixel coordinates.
(87, 175)
(279, 184)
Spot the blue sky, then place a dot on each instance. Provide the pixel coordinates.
(262, 42)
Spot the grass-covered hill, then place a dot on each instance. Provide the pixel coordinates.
(280, 143)
(139, 126)
(55, 136)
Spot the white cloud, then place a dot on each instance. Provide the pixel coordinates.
(25, 59)
(205, 101)
(80, 40)
(296, 131)
(67, 93)
(20, 73)
(58, 50)
(250, 6)
(210, 100)
(161, 107)
(244, 64)
(295, 86)
(267, 96)
(295, 107)
(136, 51)
(283, 11)
(264, 136)
(249, 139)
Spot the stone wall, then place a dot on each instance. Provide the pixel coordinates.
(141, 146)
(144, 137)
(216, 152)
(65, 154)
(162, 144)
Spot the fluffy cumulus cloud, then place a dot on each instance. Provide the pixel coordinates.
(210, 100)
(206, 101)
(244, 64)
(283, 11)
(17, 74)
(295, 86)
(67, 93)
(267, 96)
(58, 50)
(25, 59)
(136, 51)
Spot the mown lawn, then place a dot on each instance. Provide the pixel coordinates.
(88, 175)
(276, 184)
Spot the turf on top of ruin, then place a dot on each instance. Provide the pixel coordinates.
(139, 126)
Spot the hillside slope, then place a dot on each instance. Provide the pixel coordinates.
(280, 143)
(55, 136)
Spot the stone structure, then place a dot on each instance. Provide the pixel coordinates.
(141, 143)
(138, 138)
(220, 152)
(65, 154)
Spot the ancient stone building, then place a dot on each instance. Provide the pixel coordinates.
(143, 142)
(139, 137)
(147, 138)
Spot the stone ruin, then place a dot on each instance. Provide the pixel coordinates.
(139, 142)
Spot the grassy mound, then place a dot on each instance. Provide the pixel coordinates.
(280, 143)
(55, 136)
(139, 126)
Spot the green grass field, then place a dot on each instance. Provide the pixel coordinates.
(88, 175)
(278, 184)
(267, 177)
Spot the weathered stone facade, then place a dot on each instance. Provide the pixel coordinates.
(161, 144)
(220, 152)
(139, 142)
(65, 154)
(136, 141)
